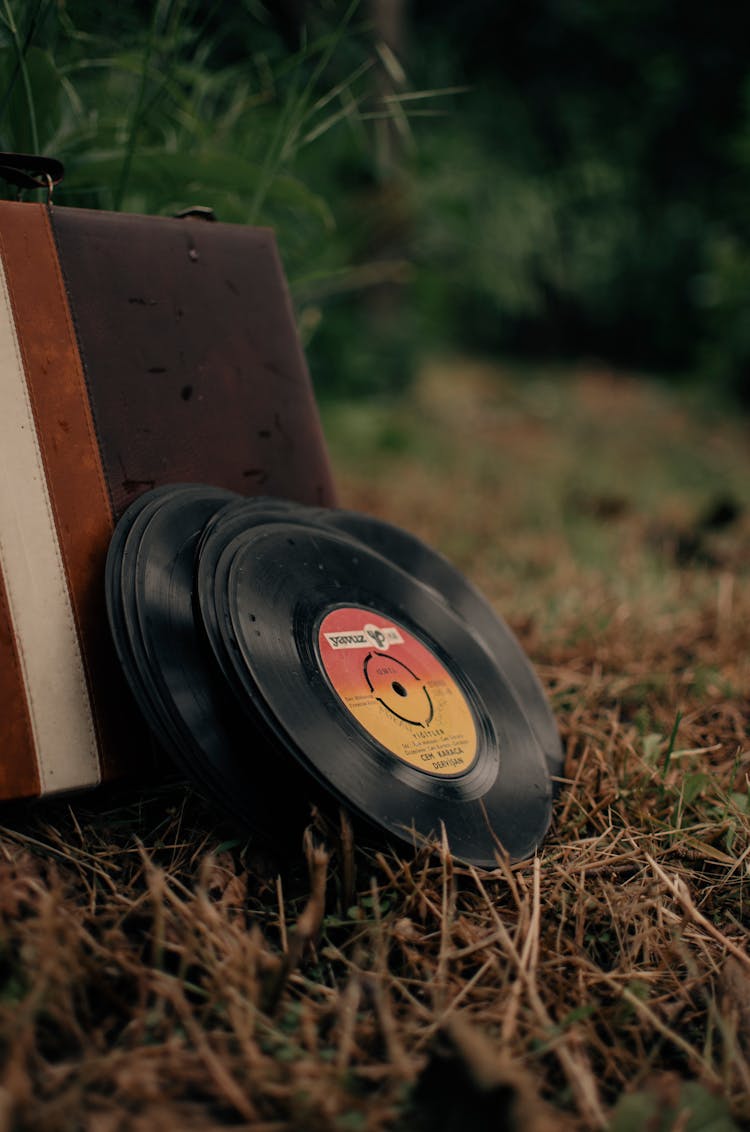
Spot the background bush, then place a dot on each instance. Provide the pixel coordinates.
(582, 192)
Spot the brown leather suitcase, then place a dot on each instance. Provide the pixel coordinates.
(134, 351)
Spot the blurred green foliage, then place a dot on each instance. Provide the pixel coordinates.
(567, 177)
(599, 185)
(145, 113)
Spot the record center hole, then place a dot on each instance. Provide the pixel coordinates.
(399, 689)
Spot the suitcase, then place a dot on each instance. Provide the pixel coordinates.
(134, 351)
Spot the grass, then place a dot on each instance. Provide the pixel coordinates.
(159, 971)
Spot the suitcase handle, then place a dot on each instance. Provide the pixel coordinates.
(31, 171)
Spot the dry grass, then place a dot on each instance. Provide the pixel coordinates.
(157, 973)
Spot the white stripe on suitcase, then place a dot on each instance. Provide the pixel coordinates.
(36, 584)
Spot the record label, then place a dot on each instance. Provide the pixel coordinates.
(398, 690)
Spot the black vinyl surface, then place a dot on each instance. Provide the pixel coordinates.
(281, 580)
(120, 602)
(433, 570)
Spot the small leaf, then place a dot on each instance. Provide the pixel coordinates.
(651, 744)
(670, 1103)
(710, 852)
(693, 785)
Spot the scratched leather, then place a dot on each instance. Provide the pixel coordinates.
(191, 356)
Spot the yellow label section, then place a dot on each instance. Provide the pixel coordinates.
(398, 691)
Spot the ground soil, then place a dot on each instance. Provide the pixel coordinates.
(160, 970)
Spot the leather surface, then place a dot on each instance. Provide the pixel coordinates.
(19, 774)
(144, 351)
(191, 356)
(35, 579)
(78, 495)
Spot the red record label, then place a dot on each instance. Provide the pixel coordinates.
(398, 690)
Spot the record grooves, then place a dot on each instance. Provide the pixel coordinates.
(282, 652)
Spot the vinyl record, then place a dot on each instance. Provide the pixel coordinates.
(416, 558)
(230, 522)
(211, 738)
(150, 577)
(272, 646)
(120, 604)
(165, 531)
(379, 690)
(433, 570)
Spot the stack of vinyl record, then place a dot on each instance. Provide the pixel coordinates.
(282, 653)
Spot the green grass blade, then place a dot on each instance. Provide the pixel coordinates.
(20, 49)
(670, 745)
